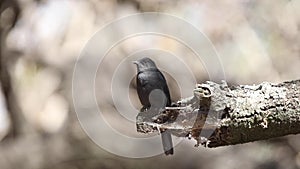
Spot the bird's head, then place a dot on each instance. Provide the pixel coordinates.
(144, 64)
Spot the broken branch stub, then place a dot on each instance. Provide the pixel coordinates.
(219, 115)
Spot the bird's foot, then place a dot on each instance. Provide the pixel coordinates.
(161, 118)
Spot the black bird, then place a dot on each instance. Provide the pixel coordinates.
(154, 94)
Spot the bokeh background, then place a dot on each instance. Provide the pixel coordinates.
(257, 41)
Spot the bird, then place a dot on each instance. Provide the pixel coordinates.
(153, 93)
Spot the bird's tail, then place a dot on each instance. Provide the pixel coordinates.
(167, 142)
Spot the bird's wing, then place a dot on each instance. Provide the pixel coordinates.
(165, 87)
(154, 80)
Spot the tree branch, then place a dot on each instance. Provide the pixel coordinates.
(219, 115)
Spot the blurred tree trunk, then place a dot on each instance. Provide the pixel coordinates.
(23, 147)
(10, 12)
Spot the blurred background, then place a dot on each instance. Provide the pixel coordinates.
(257, 41)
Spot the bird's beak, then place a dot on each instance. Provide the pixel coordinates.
(135, 62)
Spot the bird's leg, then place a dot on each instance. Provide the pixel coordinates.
(166, 115)
(144, 109)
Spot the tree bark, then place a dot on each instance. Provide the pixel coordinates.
(219, 114)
